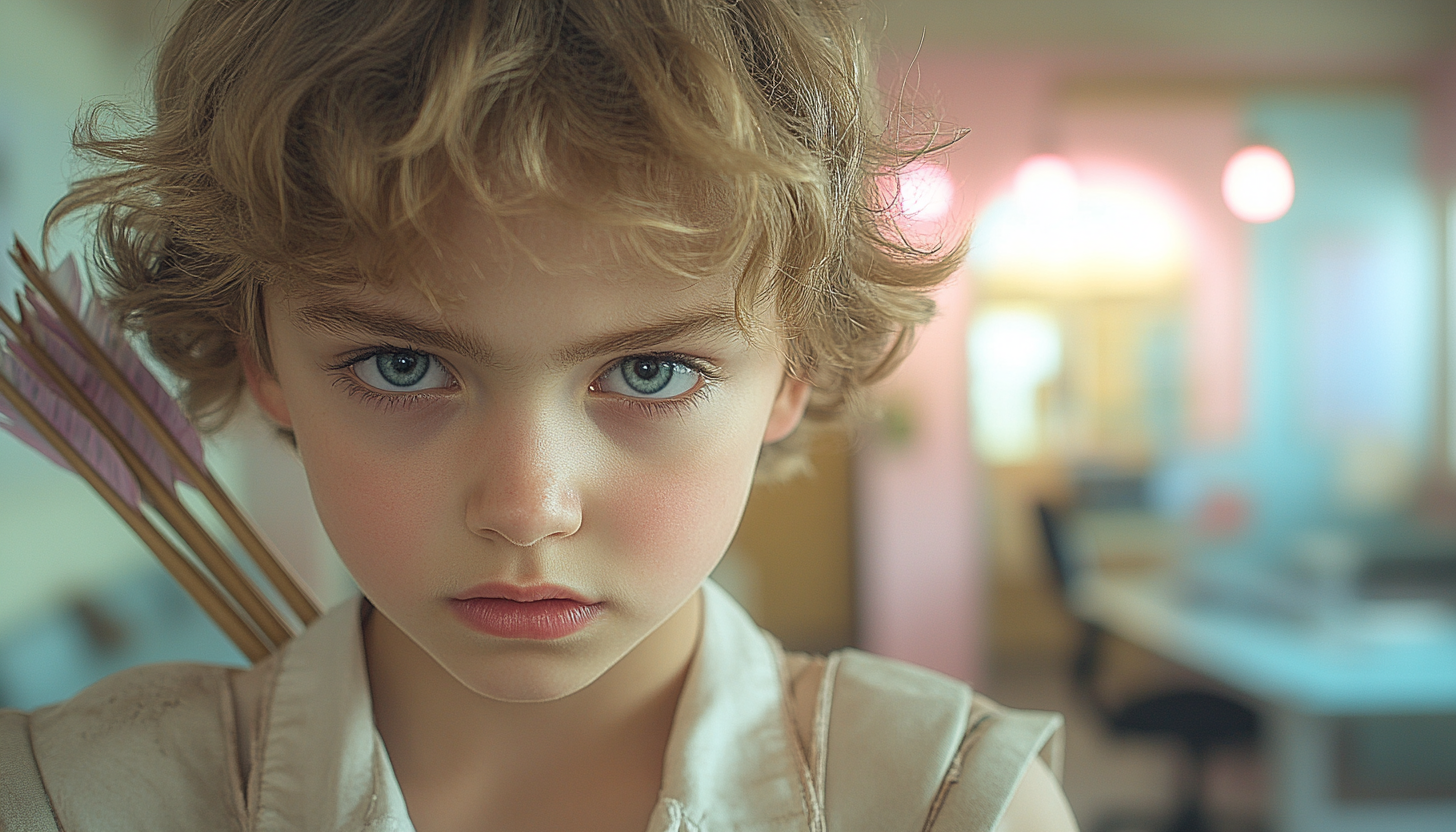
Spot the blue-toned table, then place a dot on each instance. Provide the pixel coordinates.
(1307, 676)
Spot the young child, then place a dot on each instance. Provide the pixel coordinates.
(537, 288)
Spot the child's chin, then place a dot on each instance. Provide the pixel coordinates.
(530, 680)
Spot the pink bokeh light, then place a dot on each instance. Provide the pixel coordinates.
(926, 192)
(1258, 184)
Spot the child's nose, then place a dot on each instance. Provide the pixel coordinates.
(525, 490)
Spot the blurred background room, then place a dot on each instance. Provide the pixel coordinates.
(1176, 457)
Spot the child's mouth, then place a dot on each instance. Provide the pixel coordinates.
(541, 613)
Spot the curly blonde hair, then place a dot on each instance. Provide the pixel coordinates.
(305, 142)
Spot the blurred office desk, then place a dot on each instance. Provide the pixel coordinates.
(1320, 684)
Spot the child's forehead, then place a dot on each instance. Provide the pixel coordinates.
(470, 262)
(545, 243)
(485, 273)
(465, 247)
(581, 230)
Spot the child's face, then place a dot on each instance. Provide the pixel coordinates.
(581, 423)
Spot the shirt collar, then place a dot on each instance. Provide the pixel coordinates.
(324, 766)
(732, 759)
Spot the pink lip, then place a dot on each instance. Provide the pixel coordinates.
(522, 594)
(542, 612)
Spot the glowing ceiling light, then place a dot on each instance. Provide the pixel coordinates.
(1258, 185)
(926, 192)
(1046, 184)
(1096, 225)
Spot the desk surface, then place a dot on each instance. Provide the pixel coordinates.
(1316, 670)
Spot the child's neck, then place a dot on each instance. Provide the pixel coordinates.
(590, 760)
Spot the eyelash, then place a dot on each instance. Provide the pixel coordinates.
(387, 402)
(650, 407)
(678, 406)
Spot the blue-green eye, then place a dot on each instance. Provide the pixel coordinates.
(650, 377)
(401, 371)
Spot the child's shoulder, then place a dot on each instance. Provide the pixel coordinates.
(879, 741)
(144, 744)
(891, 739)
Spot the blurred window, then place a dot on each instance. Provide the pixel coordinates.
(1013, 353)
(1075, 347)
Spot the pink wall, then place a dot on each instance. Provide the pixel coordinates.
(919, 571)
(922, 565)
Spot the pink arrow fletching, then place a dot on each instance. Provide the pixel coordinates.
(47, 332)
(78, 432)
(96, 319)
(113, 342)
(16, 426)
(66, 279)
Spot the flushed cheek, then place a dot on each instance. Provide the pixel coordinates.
(673, 522)
(377, 514)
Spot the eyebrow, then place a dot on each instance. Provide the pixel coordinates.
(351, 318)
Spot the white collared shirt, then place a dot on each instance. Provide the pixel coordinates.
(323, 766)
(158, 748)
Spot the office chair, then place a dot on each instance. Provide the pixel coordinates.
(1202, 721)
